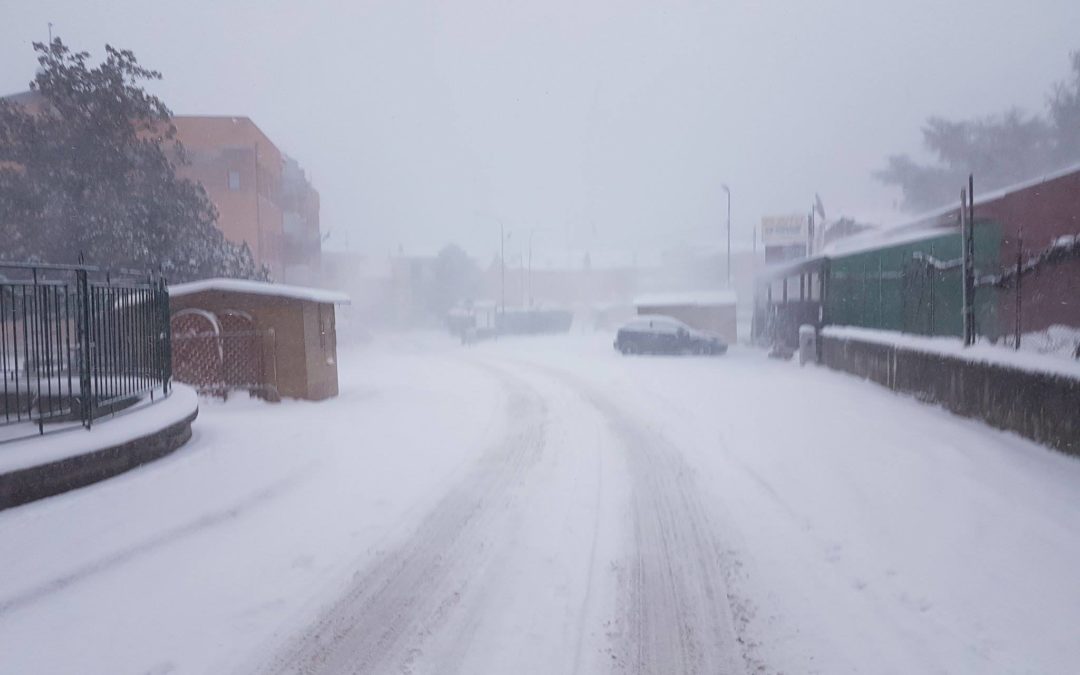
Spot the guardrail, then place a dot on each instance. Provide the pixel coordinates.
(78, 342)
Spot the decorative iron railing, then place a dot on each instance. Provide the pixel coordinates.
(78, 342)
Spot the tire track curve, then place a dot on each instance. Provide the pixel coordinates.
(676, 613)
(383, 619)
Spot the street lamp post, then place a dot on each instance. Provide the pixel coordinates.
(728, 191)
(531, 233)
(502, 266)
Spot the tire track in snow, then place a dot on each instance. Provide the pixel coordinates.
(382, 621)
(675, 609)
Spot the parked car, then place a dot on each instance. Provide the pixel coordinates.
(664, 335)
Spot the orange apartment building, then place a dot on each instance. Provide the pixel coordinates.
(262, 196)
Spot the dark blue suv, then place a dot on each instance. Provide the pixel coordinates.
(655, 334)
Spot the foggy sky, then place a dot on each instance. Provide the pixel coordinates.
(603, 124)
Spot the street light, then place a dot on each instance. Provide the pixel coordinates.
(728, 191)
(531, 233)
(502, 265)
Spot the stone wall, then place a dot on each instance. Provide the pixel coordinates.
(53, 478)
(1041, 406)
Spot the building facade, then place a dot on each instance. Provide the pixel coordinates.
(263, 197)
(1026, 242)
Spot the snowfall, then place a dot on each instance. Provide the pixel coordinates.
(544, 505)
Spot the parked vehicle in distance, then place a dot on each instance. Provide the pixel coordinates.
(657, 334)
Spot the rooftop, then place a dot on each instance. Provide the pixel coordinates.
(260, 288)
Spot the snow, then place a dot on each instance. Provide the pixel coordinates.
(126, 425)
(982, 352)
(260, 288)
(1057, 340)
(691, 298)
(539, 505)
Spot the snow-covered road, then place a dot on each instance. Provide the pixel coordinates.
(546, 506)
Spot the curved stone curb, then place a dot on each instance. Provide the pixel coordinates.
(53, 478)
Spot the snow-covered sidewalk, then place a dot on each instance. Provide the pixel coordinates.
(546, 505)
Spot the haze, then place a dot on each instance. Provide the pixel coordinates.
(614, 123)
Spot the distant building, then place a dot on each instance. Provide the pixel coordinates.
(300, 222)
(262, 195)
(710, 311)
(31, 101)
(785, 237)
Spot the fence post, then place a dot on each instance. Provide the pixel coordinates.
(1019, 265)
(880, 300)
(931, 274)
(165, 334)
(36, 330)
(967, 206)
(82, 322)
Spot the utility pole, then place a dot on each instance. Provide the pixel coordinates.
(502, 265)
(967, 258)
(969, 268)
(964, 300)
(521, 262)
(728, 191)
(1019, 271)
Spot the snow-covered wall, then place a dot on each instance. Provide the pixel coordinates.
(1036, 403)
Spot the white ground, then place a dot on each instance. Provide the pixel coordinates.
(546, 506)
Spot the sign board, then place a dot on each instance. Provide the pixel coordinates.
(784, 230)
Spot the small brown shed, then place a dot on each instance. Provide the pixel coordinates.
(270, 339)
(709, 311)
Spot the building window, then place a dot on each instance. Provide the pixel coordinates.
(234, 181)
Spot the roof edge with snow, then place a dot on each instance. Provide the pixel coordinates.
(260, 288)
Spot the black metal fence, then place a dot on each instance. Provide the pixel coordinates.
(76, 343)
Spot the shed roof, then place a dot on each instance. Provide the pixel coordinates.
(260, 288)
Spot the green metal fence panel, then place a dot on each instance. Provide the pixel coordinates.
(913, 287)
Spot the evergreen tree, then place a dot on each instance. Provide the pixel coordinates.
(1000, 150)
(456, 278)
(93, 172)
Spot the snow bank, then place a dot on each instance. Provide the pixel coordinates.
(142, 419)
(982, 352)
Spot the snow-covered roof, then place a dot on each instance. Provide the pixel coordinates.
(890, 236)
(982, 352)
(701, 298)
(991, 195)
(260, 288)
(930, 224)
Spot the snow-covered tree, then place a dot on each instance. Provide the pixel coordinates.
(999, 149)
(92, 172)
